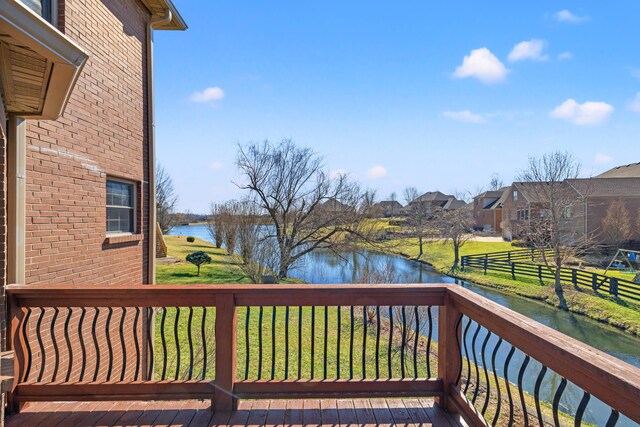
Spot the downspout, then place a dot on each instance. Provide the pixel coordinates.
(154, 21)
(16, 199)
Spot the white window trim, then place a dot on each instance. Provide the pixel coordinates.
(135, 207)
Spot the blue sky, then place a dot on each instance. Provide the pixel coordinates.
(436, 95)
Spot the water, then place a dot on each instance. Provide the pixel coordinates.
(324, 267)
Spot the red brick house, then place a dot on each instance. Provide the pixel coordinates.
(77, 140)
(487, 210)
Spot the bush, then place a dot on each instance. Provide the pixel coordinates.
(520, 244)
(198, 258)
(191, 239)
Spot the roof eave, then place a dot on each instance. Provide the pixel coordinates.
(159, 8)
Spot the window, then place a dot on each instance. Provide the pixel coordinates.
(515, 196)
(566, 212)
(522, 214)
(120, 206)
(42, 8)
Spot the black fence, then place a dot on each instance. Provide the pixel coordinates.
(520, 263)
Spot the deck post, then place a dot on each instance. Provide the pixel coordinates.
(16, 343)
(226, 321)
(449, 354)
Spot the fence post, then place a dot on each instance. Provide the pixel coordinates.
(509, 257)
(226, 321)
(613, 286)
(574, 277)
(449, 354)
(594, 282)
(540, 274)
(486, 257)
(513, 271)
(462, 261)
(533, 255)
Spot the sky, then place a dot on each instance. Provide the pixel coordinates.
(435, 95)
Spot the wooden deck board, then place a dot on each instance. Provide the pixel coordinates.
(311, 412)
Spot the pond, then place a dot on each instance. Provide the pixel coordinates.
(324, 267)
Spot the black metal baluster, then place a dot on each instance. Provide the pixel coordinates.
(581, 408)
(94, 335)
(467, 356)
(122, 344)
(613, 418)
(163, 338)
(415, 343)
(55, 344)
(28, 354)
(351, 347)
(404, 341)
(536, 393)
(378, 342)
(246, 343)
(525, 362)
(137, 344)
(495, 378)
(313, 342)
(273, 343)
(486, 372)
(177, 340)
(339, 322)
(190, 337)
(151, 340)
(506, 382)
(364, 342)
(390, 342)
(475, 363)
(459, 346)
(260, 315)
(286, 343)
(107, 329)
(326, 342)
(430, 332)
(68, 341)
(556, 401)
(299, 342)
(204, 342)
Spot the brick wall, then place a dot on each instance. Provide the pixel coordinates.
(102, 133)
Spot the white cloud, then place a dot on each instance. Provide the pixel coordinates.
(588, 113)
(635, 104)
(565, 55)
(209, 94)
(603, 158)
(216, 166)
(377, 172)
(566, 16)
(530, 49)
(483, 65)
(464, 116)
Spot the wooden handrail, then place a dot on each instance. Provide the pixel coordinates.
(609, 379)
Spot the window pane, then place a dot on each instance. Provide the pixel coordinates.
(40, 7)
(119, 220)
(119, 194)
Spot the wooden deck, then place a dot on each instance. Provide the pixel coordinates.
(329, 412)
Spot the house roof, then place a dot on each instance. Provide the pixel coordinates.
(531, 190)
(632, 170)
(388, 204)
(454, 203)
(607, 187)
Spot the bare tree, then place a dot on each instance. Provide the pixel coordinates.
(555, 201)
(496, 182)
(410, 194)
(393, 197)
(418, 216)
(307, 208)
(616, 225)
(455, 226)
(166, 200)
(214, 225)
(256, 249)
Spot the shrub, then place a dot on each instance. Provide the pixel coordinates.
(191, 239)
(198, 258)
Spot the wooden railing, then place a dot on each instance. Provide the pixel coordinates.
(518, 264)
(306, 341)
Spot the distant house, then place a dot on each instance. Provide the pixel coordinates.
(387, 208)
(487, 210)
(438, 200)
(593, 197)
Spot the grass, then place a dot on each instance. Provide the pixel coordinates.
(598, 306)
